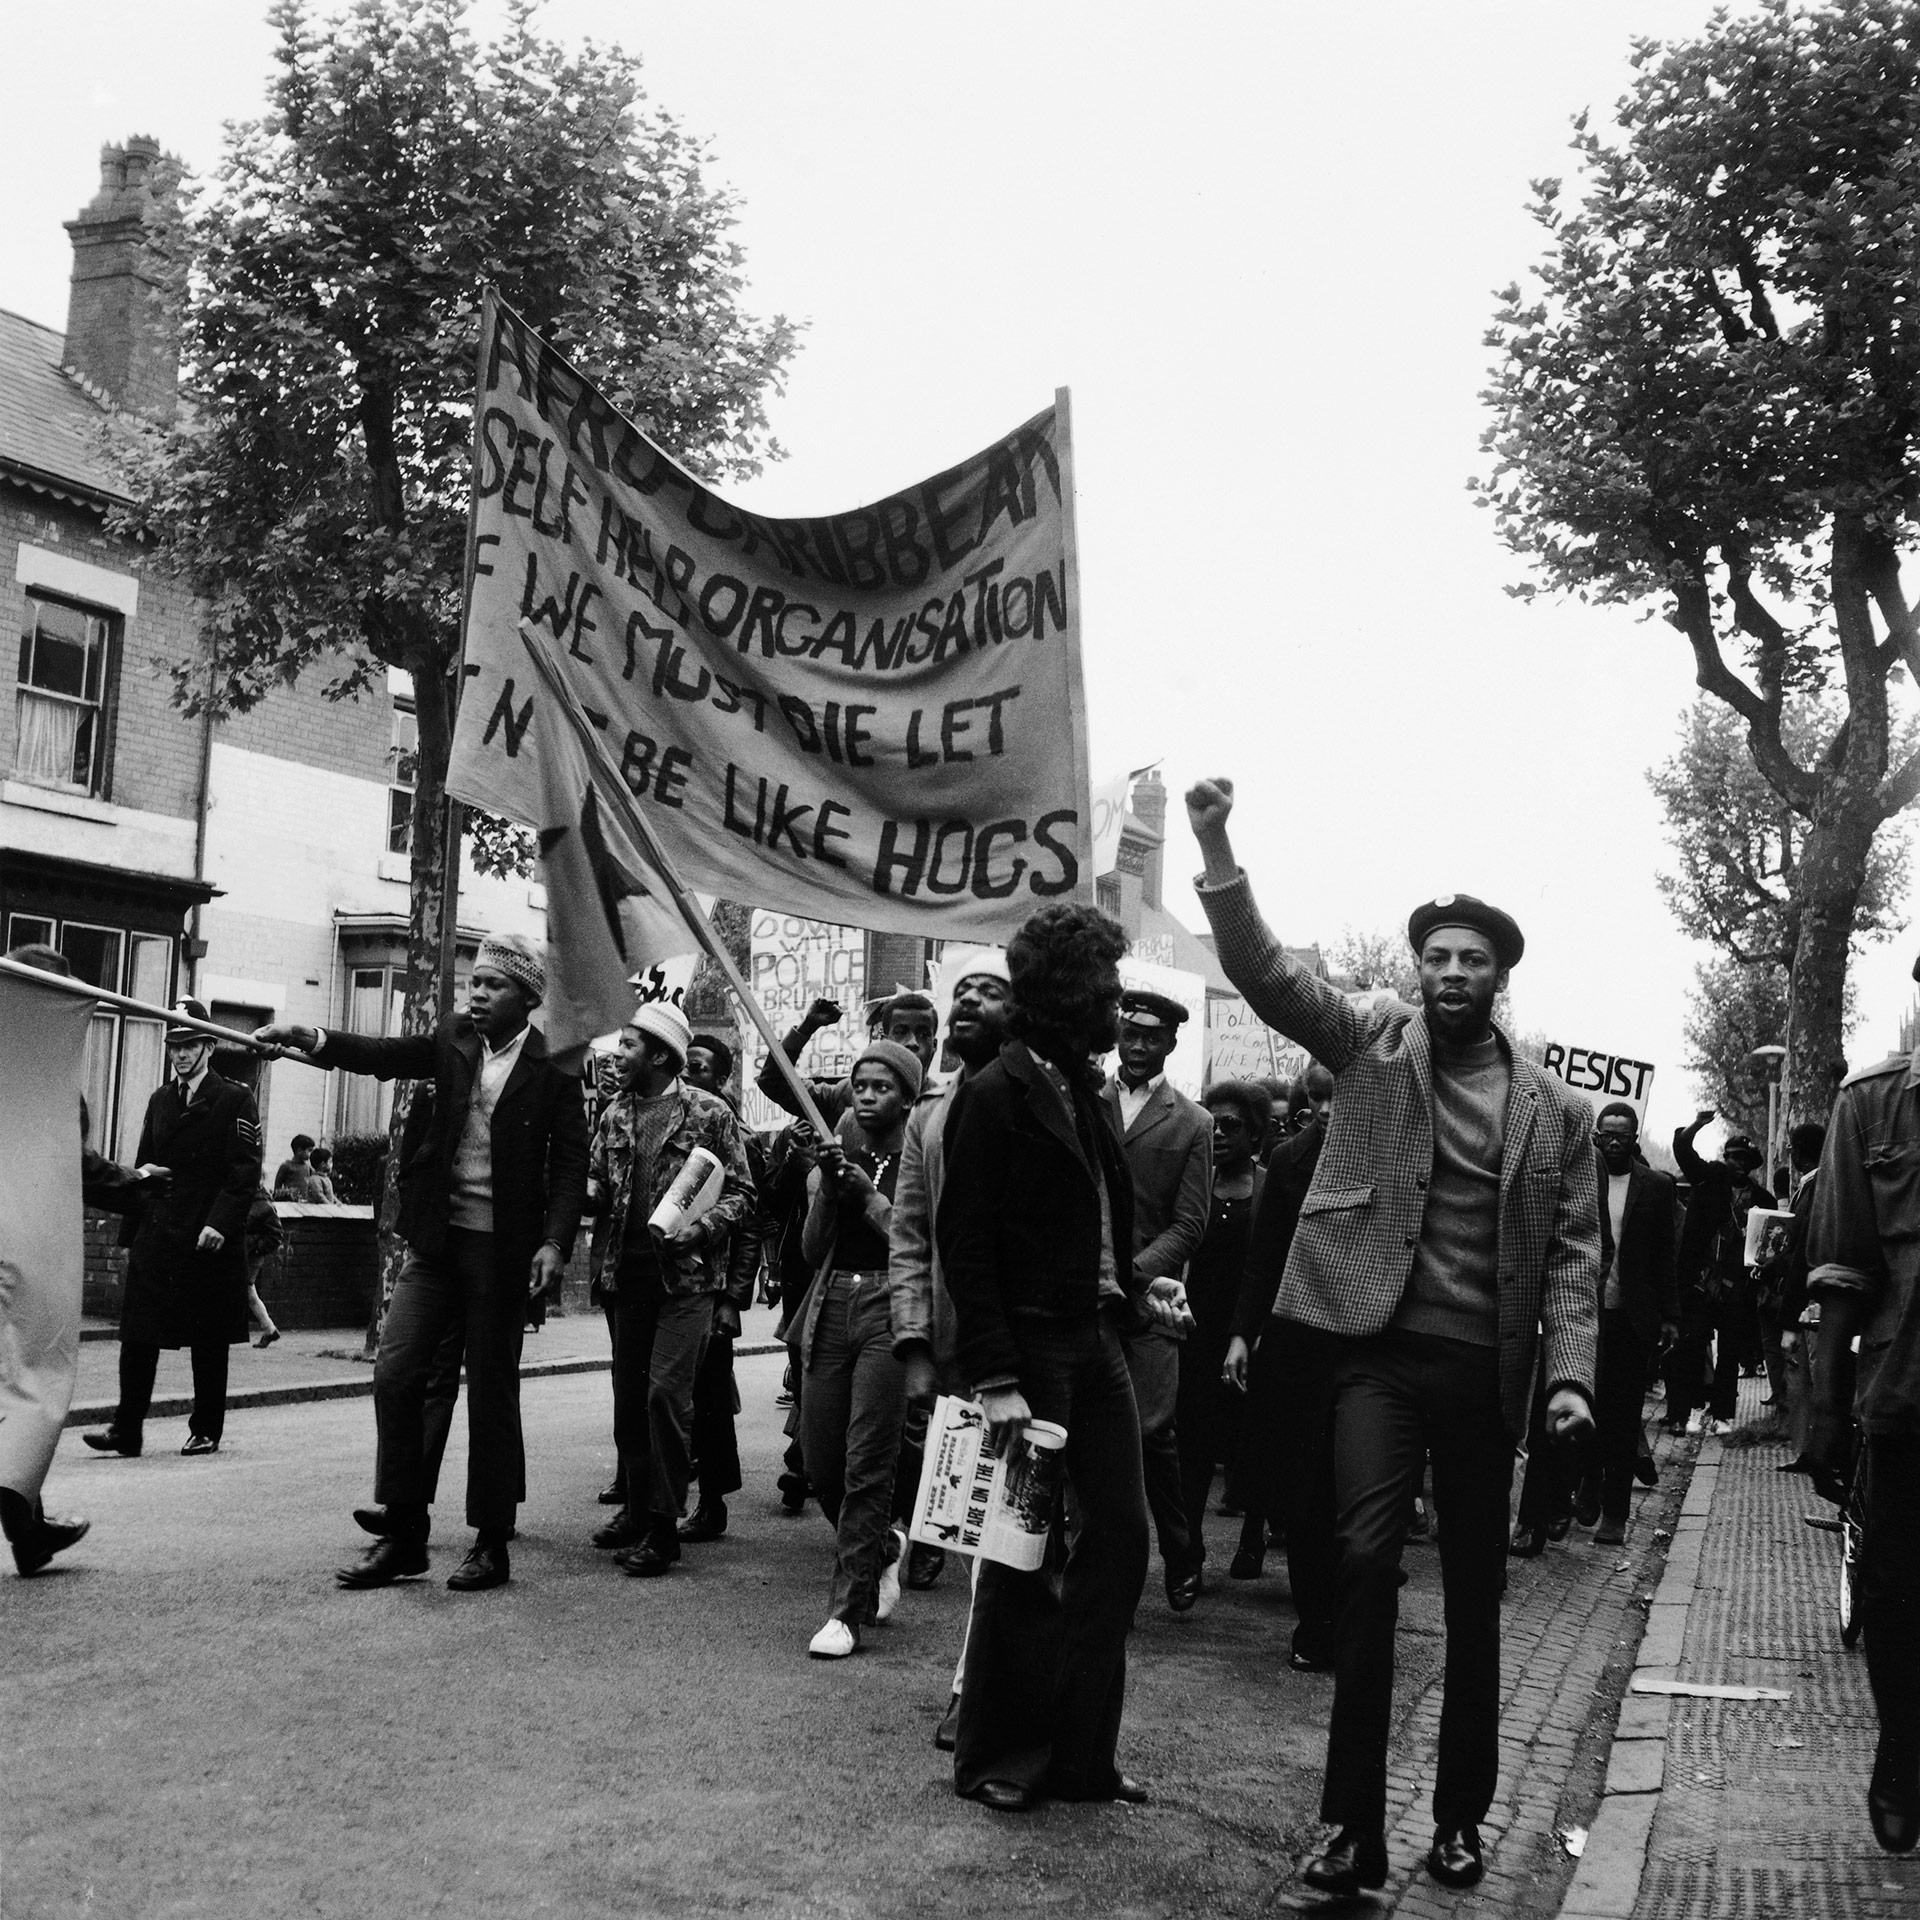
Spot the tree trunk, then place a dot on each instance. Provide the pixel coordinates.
(1831, 872)
(433, 878)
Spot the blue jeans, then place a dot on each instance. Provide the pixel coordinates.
(1046, 1667)
(851, 1412)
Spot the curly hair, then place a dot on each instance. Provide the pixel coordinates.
(1249, 1098)
(1057, 963)
(1618, 1109)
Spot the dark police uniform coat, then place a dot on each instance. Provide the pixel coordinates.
(178, 1296)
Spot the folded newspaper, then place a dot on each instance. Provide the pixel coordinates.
(695, 1191)
(973, 1500)
(1769, 1230)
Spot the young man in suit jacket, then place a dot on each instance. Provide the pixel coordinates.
(1169, 1146)
(1453, 1219)
(489, 1201)
(1035, 1202)
(187, 1268)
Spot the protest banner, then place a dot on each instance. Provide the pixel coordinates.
(43, 1035)
(1600, 1077)
(877, 712)
(1186, 1067)
(792, 962)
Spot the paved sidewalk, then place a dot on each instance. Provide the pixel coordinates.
(323, 1364)
(1727, 1809)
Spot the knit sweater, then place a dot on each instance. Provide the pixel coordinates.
(1453, 1289)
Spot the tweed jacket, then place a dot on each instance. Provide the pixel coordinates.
(700, 1120)
(1361, 1219)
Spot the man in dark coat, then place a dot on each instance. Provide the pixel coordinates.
(489, 1200)
(187, 1271)
(1033, 1230)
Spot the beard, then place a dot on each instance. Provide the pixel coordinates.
(1468, 1020)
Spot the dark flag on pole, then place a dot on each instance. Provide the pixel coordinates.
(609, 912)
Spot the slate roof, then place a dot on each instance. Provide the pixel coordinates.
(49, 423)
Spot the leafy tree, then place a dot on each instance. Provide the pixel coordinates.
(1707, 408)
(1739, 844)
(1733, 1009)
(1375, 962)
(314, 490)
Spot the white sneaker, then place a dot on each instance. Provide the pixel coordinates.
(834, 1641)
(889, 1595)
(1719, 1427)
(1696, 1421)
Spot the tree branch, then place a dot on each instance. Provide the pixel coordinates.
(1901, 788)
(1693, 615)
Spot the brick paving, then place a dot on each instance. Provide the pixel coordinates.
(1570, 1629)
(1763, 1807)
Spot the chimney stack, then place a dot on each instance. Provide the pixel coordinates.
(1149, 806)
(123, 335)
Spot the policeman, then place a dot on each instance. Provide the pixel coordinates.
(187, 1273)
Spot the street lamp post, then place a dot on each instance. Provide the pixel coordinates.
(1771, 1060)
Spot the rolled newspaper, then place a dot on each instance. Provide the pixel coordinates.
(1767, 1231)
(695, 1191)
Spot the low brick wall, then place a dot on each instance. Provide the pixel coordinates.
(323, 1275)
(326, 1269)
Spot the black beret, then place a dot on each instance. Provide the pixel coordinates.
(1146, 1009)
(1463, 910)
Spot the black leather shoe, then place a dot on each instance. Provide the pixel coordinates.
(371, 1520)
(1183, 1590)
(199, 1443)
(1893, 1802)
(384, 1562)
(1645, 1471)
(793, 1491)
(948, 1731)
(1249, 1563)
(704, 1523)
(1351, 1862)
(1528, 1543)
(925, 1565)
(108, 1441)
(1003, 1796)
(1454, 1858)
(485, 1566)
(1586, 1509)
(1560, 1526)
(648, 1561)
(618, 1535)
(1306, 1663)
(1119, 1786)
(613, 1494)
(44, 1538)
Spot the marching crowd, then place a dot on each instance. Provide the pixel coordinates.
(1364, 1294)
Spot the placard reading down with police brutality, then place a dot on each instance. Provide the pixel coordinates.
(874, 717)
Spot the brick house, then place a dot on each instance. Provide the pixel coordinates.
(260, 862)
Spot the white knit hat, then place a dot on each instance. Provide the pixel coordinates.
(664, 1021)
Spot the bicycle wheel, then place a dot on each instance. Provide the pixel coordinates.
(1849, 1581)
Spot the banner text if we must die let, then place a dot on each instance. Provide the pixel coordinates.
(873, 717)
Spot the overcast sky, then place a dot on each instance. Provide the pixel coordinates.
(1260, 243)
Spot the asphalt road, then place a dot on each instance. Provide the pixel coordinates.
(195, 1722)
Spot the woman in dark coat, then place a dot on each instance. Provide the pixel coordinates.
(187, 1272)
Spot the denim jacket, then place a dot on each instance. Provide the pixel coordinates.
(702, 1121)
